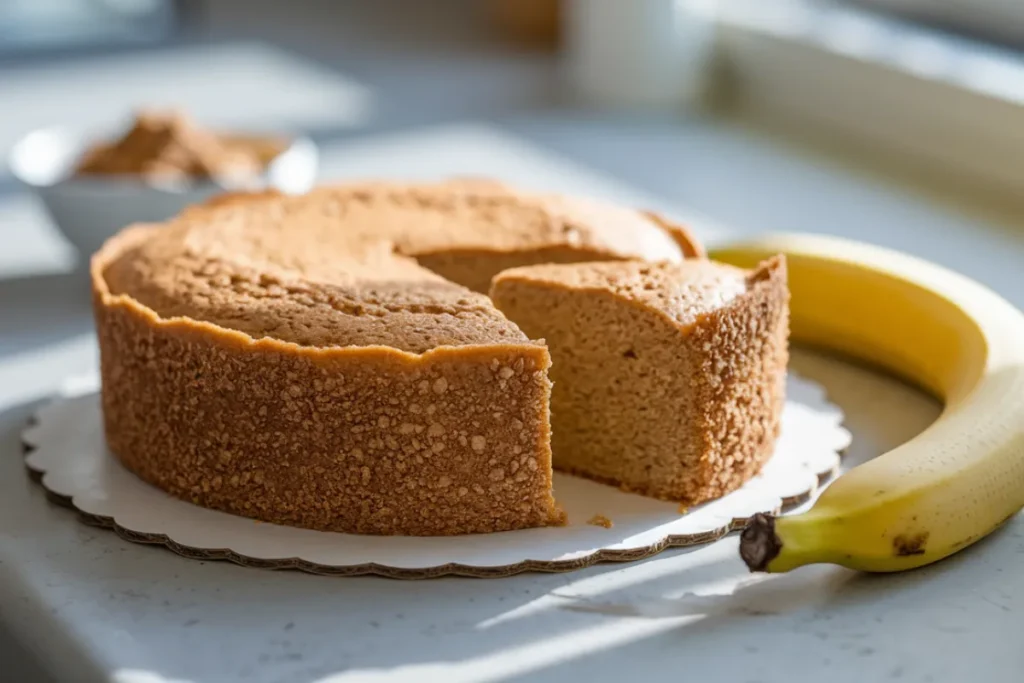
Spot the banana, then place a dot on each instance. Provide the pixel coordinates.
(952, 484)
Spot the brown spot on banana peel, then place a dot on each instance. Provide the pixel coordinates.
(759, 544)
(910, 544)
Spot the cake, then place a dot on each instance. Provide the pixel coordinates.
(329, 361)
(668, 377)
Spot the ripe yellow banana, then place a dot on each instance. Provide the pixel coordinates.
(955, 482)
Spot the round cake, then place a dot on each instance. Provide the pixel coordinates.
(329, 361)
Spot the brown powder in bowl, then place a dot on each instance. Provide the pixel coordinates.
(171, 147)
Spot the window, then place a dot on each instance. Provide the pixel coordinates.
(1001, 20)
(877, 77)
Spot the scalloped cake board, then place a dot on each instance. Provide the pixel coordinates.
(68, 452)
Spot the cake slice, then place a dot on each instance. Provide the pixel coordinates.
(669, 378)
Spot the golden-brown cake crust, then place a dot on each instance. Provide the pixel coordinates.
(293, 360)
(367, 439)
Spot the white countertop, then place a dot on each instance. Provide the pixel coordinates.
(92, 605)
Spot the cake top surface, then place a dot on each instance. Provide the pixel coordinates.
(337, 267)
(466, 214)
(682, 291)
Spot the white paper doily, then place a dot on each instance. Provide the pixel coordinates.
(67, 448)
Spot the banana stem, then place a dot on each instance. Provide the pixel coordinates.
(759, 544)
(770, 544)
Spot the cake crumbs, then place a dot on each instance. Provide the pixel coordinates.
(684, 508)
(601, 520)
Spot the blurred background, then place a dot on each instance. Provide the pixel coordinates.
(893, 121)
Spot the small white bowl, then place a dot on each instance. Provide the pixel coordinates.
(88, 210)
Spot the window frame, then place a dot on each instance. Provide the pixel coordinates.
(874, 90)
(1001, 20)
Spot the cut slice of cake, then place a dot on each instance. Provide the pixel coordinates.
(669, 378)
